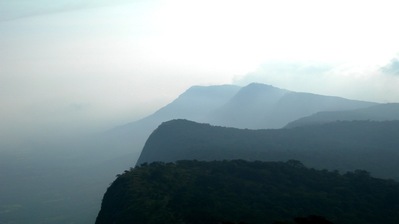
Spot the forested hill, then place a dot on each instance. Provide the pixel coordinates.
(368, 145)
(238, 191)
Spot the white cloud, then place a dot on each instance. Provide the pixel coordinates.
(345, 80)
(392, 68)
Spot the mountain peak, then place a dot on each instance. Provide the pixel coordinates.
(258, 84)
(259, 91)
(261, 86)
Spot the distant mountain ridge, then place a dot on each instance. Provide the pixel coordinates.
(255, 103)
(380, 112)
(344, 146)
(261, 106)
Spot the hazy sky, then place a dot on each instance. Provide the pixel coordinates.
(82, 65)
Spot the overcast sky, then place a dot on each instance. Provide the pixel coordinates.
(83, 65)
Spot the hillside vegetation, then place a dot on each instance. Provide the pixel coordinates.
(248, 192)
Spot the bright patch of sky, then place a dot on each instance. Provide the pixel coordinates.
(79, 65)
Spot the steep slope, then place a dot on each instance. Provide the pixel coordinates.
(372, 146)
(196, 103)
(381, 112)
(246, 192)
(193, 104)
(260, 106)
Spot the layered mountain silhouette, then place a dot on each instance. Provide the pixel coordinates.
(255, 106)
(344, 146)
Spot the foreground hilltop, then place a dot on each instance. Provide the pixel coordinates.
(248, 192)
(345, 146)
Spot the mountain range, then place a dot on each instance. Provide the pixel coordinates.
(262, 122)
(257, 122)
(255, 106)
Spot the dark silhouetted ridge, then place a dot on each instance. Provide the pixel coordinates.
(368, 145)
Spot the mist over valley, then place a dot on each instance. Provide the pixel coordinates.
(65, 174)
(100, 99)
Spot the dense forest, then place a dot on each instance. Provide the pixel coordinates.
(240, 191)
(345, 145)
